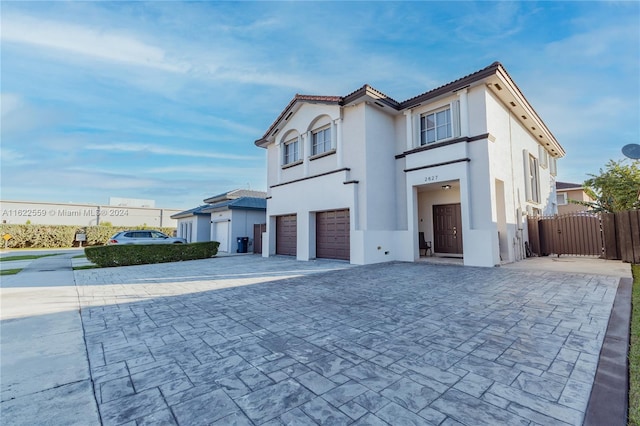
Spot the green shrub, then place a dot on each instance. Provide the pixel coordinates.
(61, 236)
(39, 236)
(139, 254)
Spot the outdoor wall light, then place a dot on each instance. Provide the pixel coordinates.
(446, 186)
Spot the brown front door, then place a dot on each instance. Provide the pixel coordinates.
(332, 234)
(447, 229)
(258, 229)
(286, 235)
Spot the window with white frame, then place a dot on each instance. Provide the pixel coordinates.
(321, 141)
(561, 198)
(436, 126)
(291, 153)
(534, 180)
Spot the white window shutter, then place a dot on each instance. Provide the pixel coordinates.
(416, 130)
(455, 112)
(527, 174)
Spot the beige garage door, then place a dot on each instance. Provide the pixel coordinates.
(286, 235)
(332, 234)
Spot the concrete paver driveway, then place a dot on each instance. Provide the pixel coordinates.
(327, 343)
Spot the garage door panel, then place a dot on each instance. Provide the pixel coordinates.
(286, 235)
(332, 234)
(222, 235)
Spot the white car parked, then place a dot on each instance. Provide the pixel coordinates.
(144, 237)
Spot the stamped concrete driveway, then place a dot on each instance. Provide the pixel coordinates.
(253, 341)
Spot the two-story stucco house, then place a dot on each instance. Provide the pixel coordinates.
(365, 178)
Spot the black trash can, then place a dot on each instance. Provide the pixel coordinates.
(243, 243)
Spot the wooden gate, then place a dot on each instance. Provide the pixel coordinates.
(258, 229)
(614, 236)
(574, 234)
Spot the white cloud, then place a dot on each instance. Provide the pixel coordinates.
(488, 22)
(200, 170)
(9, 102)
(101, 44)
(13, 157)
(162, 150)
(602, 46)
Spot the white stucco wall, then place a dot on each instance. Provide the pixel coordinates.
(394, 197)
(379, 183)
(304, 198)
(242, 222)
(507, 165)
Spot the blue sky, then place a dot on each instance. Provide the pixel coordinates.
(163, 100)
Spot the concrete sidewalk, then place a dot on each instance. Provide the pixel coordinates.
(574, 265)
(44, 370)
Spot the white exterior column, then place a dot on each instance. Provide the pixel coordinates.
(407, 115)
(338, 141)
(464, 112)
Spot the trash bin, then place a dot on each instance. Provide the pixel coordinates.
(243, 243)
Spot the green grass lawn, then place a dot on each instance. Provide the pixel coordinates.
(26, 257)
(634, 351)
(10, 271)
(78, 268)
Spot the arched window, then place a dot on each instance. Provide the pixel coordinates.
(290, 148)
(321, 135)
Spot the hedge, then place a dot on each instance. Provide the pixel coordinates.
(61, 236)
(139, 254)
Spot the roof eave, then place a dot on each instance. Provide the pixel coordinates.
(451, 87)
(536, 126)
(246, 208)
(289, 110)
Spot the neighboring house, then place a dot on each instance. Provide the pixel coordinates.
(566, 191)
(194, 225)
(358, 177)
(225, 218)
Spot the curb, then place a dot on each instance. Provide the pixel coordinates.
(608, 403)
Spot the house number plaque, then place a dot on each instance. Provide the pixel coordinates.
(431, 178)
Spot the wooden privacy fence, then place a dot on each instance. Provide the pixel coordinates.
(622, 235)
(608, 235)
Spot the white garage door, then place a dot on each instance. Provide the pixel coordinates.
(221, 235)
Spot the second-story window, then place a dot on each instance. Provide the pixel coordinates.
(291, 153)
(435, 126)
(321, 141)
(534, 180)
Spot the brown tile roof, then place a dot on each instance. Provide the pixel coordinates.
(495, 68)
(454, 85)
(296, 98)
(316, 98)
(374, 93)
